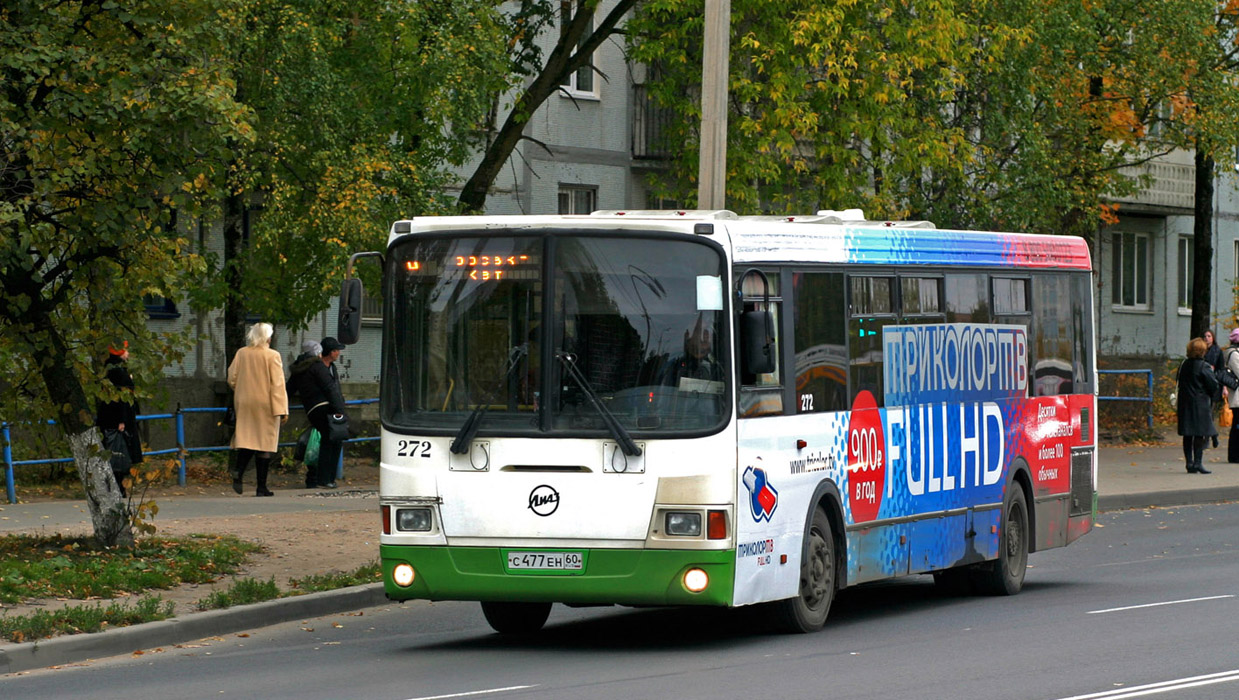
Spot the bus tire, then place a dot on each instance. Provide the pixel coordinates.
(807, 611)
(1005, 575)
(516, 618)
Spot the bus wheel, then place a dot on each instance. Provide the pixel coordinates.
(1005, 576)
(807, 612)
(516, 618)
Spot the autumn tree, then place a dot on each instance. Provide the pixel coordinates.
(111, 116)
(362, 112)
(535, 74)
(1009, 116)
(1203, 119)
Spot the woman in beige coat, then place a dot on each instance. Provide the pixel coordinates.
(256, 376)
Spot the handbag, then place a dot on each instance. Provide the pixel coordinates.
(230, 415)
(337, 427)
(116, 443)
(1226, 376)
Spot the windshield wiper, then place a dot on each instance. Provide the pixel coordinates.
(617, 431)
(464, 436)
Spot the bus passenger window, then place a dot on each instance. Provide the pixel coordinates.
(1051, 336)
(967, 299)
(820, 342)
(871, 309)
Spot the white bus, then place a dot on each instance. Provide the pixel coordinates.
(699, 408)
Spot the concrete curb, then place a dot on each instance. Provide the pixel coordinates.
(75, 648)
(1166, 499)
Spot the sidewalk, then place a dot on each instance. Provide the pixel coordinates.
(1129, 477)
(1140, 477)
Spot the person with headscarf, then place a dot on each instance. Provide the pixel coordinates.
(121, 415)
(318, 384)
(256, 376)
(1230, 360)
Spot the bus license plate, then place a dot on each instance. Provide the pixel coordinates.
(545, 561)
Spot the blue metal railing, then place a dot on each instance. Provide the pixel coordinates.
(1148, 375)
(181, 450)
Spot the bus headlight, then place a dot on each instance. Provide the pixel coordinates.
(414, 519)
(403, 575)
(696, 580)
(683, 524)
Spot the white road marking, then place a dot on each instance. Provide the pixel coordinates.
(475, 692)
(1162, 687)
(1154, 605)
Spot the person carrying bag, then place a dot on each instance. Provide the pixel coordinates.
(316, 381)
(119, 419)
(1230, 363)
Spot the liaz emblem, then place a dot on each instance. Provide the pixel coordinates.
(763, 498)
(543, 500)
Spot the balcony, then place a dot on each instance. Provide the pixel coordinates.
(1173, 186)
(649, 123)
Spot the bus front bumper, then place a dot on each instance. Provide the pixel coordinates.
(609, 576)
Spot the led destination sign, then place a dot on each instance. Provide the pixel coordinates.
(480, 268)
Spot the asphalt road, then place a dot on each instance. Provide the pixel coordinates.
(1145, 606)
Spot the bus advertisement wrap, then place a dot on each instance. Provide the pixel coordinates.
(922, 480)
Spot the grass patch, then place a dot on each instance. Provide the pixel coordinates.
(368, 573)
(248, 590)
(72, 567)
(76, 619)
(242, 592)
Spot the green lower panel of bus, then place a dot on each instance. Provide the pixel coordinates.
(604, 576)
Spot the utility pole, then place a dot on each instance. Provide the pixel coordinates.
(712, 166)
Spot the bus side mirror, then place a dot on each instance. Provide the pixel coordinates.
(349, 327)
(757, 341)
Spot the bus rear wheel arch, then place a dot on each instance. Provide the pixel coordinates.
(1005, 575)
(516, 618)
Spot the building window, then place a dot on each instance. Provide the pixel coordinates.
(1187, 266)
(575, 199)
(579, 82)
(159, 306)
(1130, 268)
(1235, 280)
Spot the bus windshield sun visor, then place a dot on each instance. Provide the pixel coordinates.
(464, 436)
(568, 360)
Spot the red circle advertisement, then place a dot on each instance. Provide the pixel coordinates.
(866, 445)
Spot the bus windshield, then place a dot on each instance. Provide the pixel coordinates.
(477, 333)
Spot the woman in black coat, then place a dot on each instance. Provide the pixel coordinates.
(1198, 386)
(121, 415)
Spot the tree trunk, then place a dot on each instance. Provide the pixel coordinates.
(234, 302)
(109, 513)
(1202, 244)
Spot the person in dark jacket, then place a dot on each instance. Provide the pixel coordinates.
(1198, 386)
(317, 382)
(121, 415)
(1213, 353)
(1213, 358)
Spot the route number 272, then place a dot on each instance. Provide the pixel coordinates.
(413, 448)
